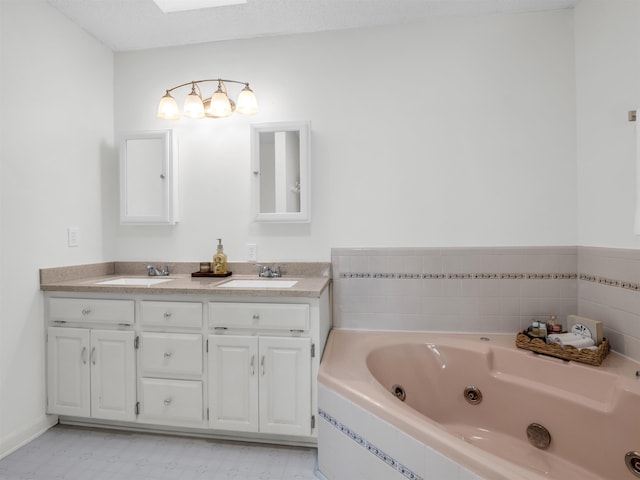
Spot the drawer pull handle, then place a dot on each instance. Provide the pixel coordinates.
(296, 330)
(256, 316)
(253, 370)
(220, 328)
(167, 402)
(93, 355)
(168, 354)
(167, 315)
(83, 355)
(86, 311)
(262, 365)
(59, 321)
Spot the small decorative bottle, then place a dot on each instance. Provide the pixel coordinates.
(219, 260)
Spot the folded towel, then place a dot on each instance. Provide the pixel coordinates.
(573, 339)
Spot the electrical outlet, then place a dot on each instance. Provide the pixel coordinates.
(252, 252)
(73, 237)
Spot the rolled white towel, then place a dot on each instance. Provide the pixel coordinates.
(573, 339)
(564, 337)
(580, 344)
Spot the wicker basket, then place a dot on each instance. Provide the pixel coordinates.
(592, 357)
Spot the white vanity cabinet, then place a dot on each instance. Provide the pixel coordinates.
(91, 369)
(260, 368)
(260, 384)
(236, 366)
(171, 363)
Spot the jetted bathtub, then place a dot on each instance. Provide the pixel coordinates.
(472, 398)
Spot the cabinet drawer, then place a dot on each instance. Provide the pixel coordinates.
(171, 314)
(91, 310)
(171, 353)
(276, 316)
(177, 400)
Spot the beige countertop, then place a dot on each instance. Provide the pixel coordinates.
(312, 280)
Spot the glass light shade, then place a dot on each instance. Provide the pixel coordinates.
(193, 107)
(220, 105)
(168, 108)
(247, 103)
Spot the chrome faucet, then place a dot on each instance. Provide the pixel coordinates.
(266, 271)
(155, 272)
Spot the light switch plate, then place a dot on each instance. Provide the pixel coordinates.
(252, 252)
(73, 237)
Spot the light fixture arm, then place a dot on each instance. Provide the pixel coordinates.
(196, 82)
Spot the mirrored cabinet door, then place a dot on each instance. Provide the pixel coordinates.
(280, 159)
(148, 178)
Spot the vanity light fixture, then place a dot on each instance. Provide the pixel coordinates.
(219, 105)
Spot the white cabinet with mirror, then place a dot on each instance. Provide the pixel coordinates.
(148, 178)
(280, 163)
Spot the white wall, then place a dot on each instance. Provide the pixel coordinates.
(460, 133)
(608, 85)
(53, 153)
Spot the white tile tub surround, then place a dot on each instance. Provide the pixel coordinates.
(609, 290)
(452, 289)
(493, 289)
(357, 445)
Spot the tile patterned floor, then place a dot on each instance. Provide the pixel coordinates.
(73, 453)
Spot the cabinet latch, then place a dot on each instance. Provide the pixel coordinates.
(136, 342)
(313, 350)
(137, 408)
(313, 421)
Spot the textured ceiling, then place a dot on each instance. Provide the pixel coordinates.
(140, 24)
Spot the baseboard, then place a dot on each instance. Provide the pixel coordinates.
(33, 430)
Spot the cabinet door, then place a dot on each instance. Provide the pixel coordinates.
(285, 385)
(113, 379)
(68, 374)
(148, 178)
(233, 383)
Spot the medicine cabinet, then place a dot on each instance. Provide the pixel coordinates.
(280, 165)
(148, 178)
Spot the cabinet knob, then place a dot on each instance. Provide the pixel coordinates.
(167, 314)
(256, 316)
(168, 354)
(167, 402)
(86, 311)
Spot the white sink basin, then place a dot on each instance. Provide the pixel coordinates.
(138, 282)
(259, 284)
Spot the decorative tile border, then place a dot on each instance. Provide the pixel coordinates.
(610, 282)
(463, 276)
(370, 447)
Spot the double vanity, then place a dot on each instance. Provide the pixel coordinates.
(232, 357)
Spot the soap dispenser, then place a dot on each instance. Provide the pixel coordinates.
(220, 260)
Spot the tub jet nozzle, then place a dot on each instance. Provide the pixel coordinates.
(538, 436)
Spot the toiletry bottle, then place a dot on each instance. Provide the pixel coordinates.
(543, 330)
(220, 260)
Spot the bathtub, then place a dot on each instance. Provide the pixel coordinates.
(591, 413)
